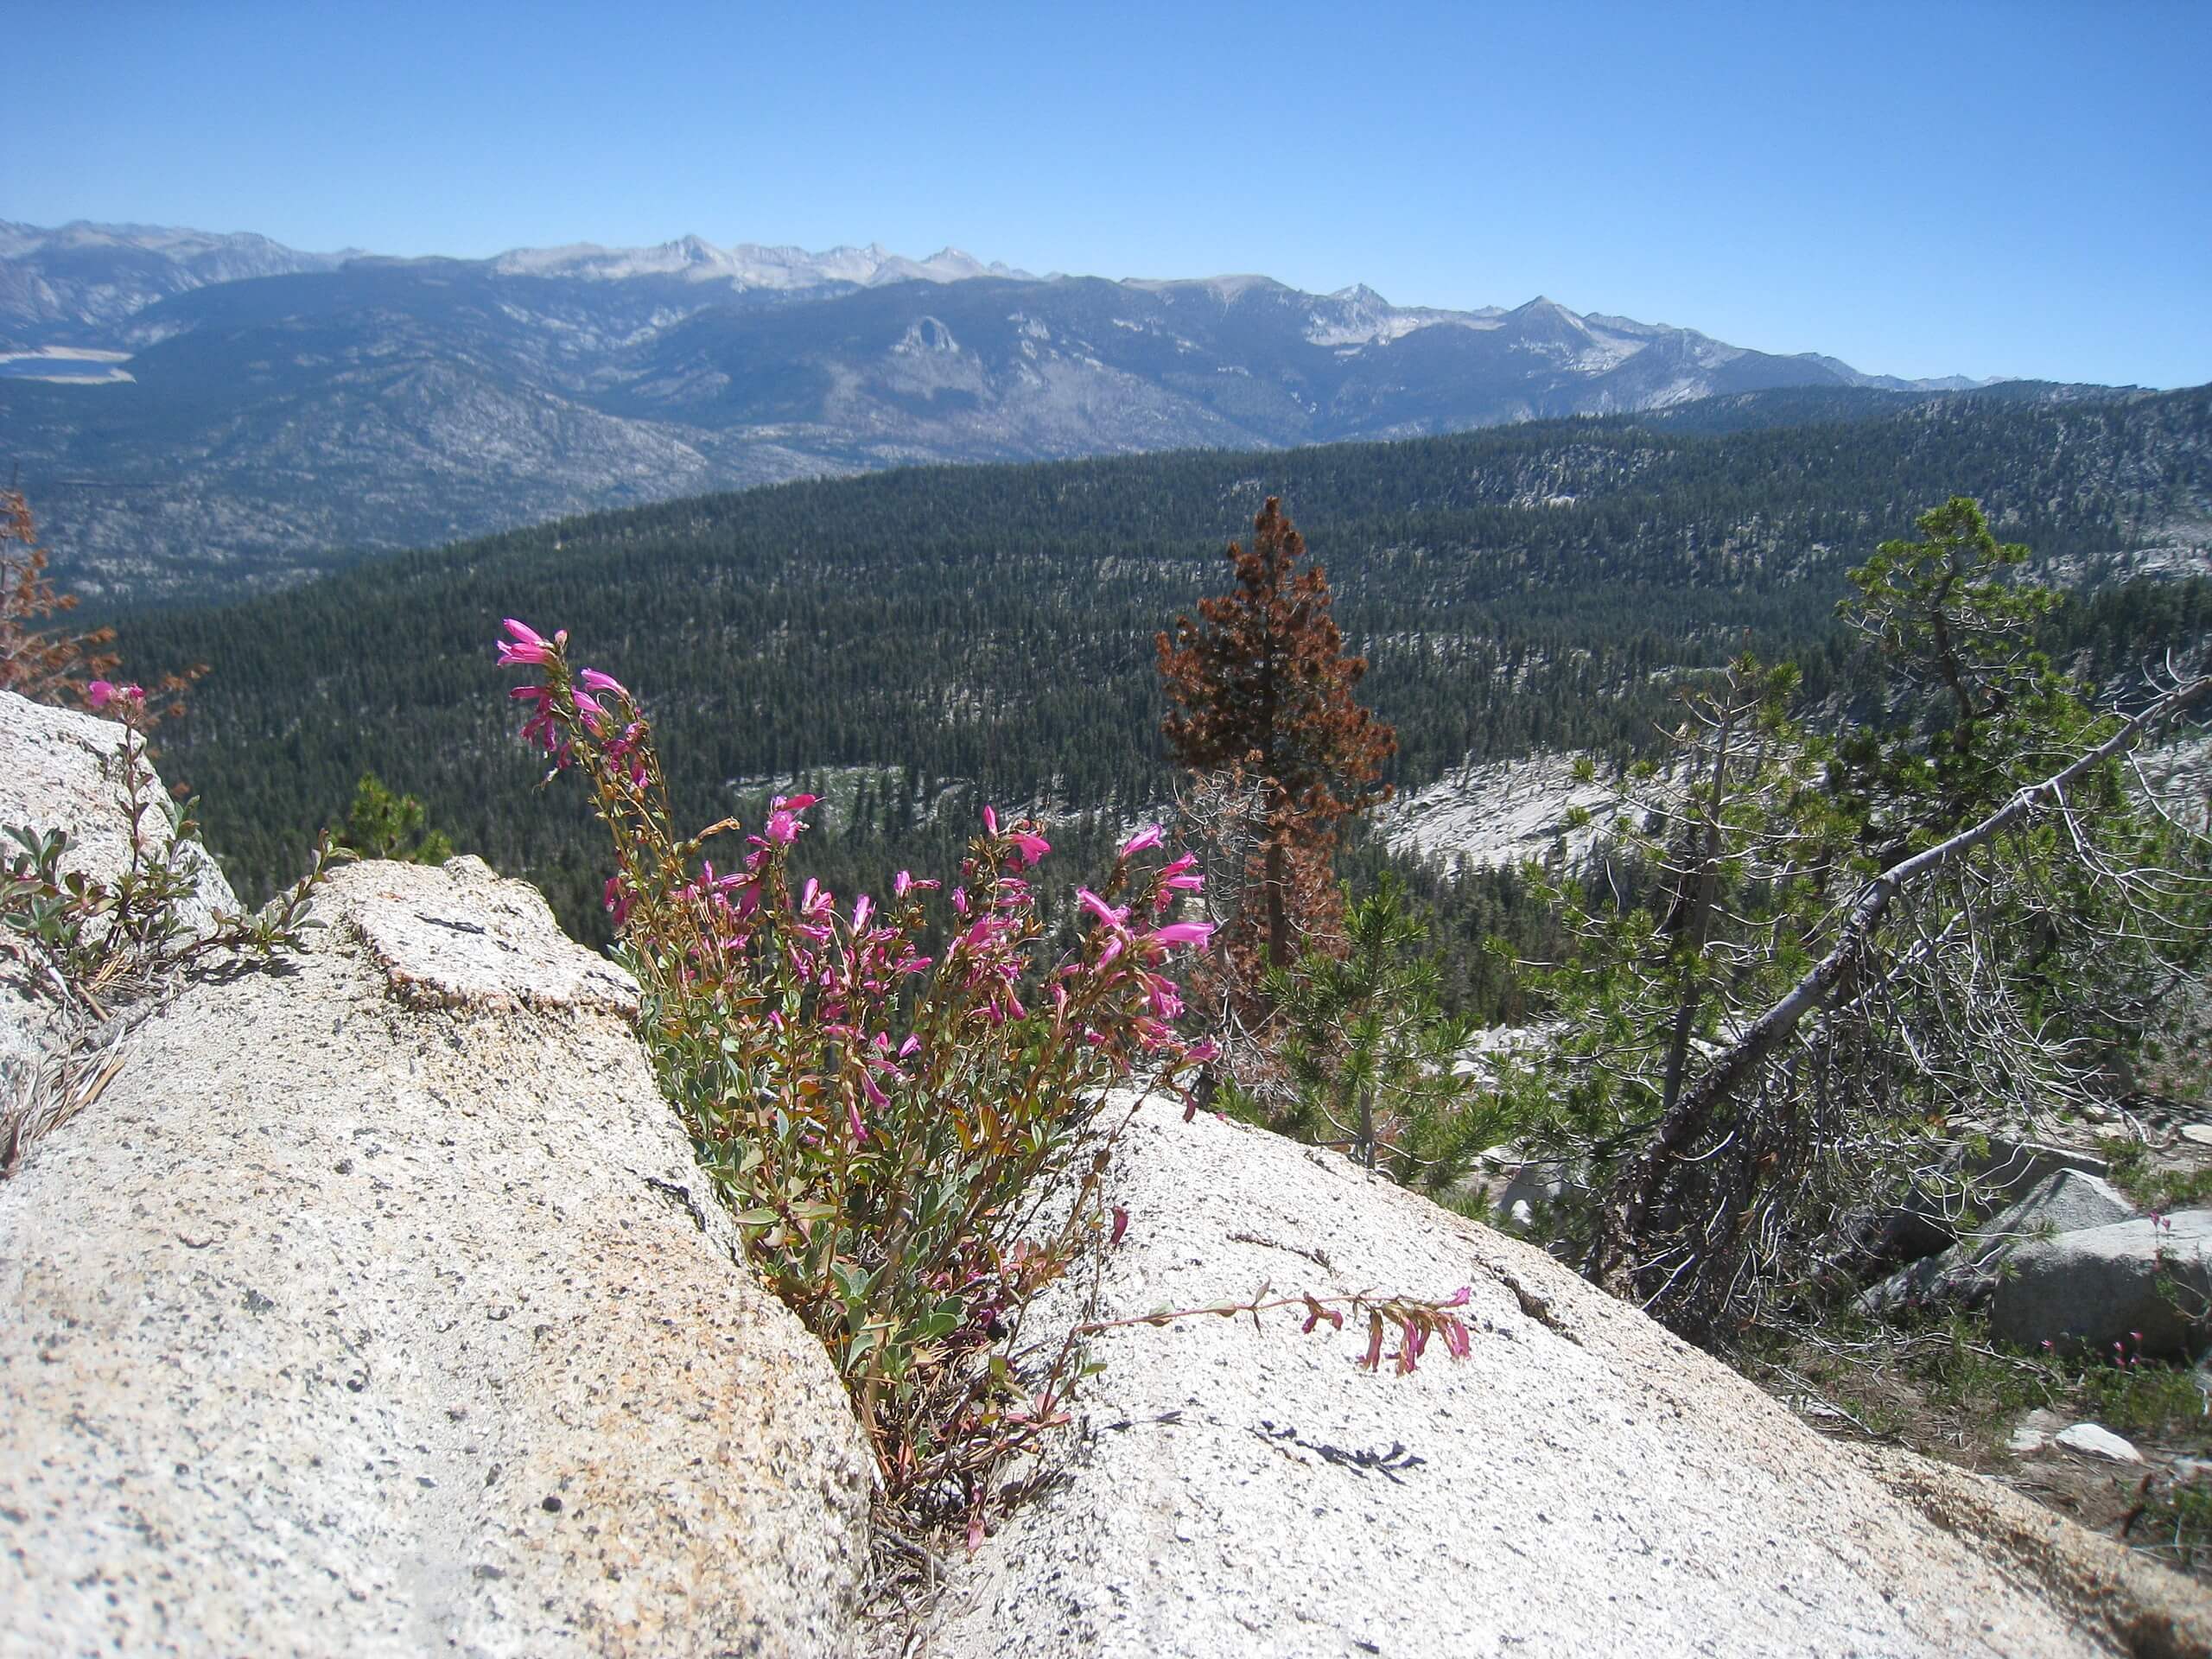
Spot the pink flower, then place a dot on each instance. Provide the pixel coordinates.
(1028, 848)
(130, 693)
(528, 645)
(862, 906)
(1198, 1053)
(99, 692)
(1178, 877)
(990, 820)
(596, 680)
(1144, 840)
(1166, 936)
(782, 826)
(1167, 1002)
(1104, 911)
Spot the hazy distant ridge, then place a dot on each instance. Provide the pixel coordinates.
(236, 410)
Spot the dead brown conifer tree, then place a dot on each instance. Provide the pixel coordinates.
(1262, 693)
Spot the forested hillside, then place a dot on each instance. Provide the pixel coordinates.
(1535, 586)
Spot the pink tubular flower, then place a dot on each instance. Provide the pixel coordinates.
(1178, 877)
(990, 820)
(783, 826)
(1143, 840)
(1028, 848)
(596, 680)
(1105, 912)
(527, 645)
(1166, 1000)
(1171, 934)
(99, 692)
(862, 906)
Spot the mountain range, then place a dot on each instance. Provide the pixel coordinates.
(192, 414)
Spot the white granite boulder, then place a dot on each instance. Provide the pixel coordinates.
(378, 1307)
(1582, 1482)
(62, 770)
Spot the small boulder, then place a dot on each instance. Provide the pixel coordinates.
(2005, 1169)
(2095, 1440)
(2145, 1284)
(2064, 1202)
(2034, 1432)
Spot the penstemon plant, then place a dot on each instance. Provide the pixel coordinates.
(896, 1134)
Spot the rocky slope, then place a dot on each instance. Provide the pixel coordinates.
(1581, 1482)
(375, 1307)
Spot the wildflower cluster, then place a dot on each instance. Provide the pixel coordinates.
(887, 1126)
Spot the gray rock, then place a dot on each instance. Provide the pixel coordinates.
(1535, 1188)
(2095, 1440)
(62, 768)
(1582, 1482)
(62, 771)
(2008, 1169)
(379, 1307)
(2034, 1432)
(2066, 1201)
(2016, 1167)
(2104, 1285)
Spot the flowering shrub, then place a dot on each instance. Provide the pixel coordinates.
(888, 1128)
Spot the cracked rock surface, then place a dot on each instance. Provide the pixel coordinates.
(378, 1307)
(1582, 1484)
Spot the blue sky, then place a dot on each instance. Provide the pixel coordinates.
(1920, 190)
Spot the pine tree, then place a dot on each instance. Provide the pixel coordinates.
(1263, 687)
(383, 824)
